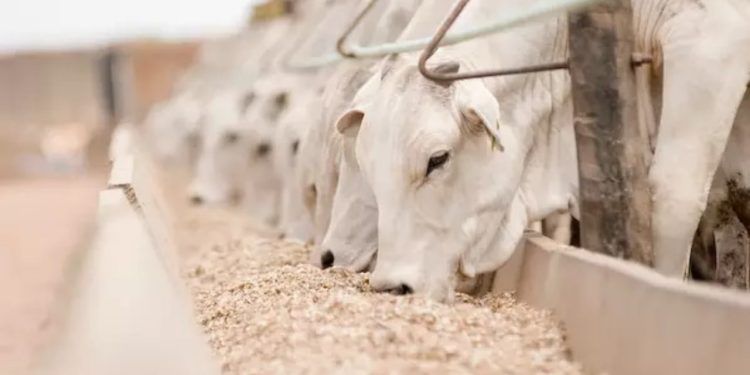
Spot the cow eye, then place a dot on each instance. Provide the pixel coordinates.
(436, 161)
(231, 138)
(263, 149)
(295, 147)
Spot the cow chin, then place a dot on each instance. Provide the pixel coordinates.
(438, 285)
(423, 271)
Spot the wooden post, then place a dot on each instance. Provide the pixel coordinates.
(615, 200)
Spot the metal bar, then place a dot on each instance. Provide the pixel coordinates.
(440, 34)
(290, 63)
(510, 19)
(637, 60)
(341, 42)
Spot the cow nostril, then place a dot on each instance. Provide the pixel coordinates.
(402, 290)
(196, 200)
(326, 260)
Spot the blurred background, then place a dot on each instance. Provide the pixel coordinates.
(70, 70)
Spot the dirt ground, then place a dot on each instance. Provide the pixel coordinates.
(43, 221)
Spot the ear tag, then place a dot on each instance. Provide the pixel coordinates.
(495, 138)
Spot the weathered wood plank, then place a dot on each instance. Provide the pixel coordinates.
(612, 153)
(732, 253)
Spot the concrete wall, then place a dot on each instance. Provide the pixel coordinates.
(67, 101)
(42, 91)
(39, 89)
(147, 72)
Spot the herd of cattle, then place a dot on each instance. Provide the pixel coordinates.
(429, 183)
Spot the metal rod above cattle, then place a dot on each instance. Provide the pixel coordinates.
(506, 20)
(615, 199)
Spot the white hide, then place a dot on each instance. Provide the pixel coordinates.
(235, 163)
(220, 167)
(295, 221)
(342, 205)
(352, 237)
(275, 94)
(468, 215)
(172, 128)
(321, 152)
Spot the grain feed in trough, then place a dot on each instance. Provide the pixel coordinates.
(265, 310)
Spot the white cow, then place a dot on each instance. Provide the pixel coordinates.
(341, 204)
(459, 170)
(321, 171)
(304, 109)
(295, 222)
(171, 128)
(219, 170)
(236, 155)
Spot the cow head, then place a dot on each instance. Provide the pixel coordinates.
(291, 133)
(173, 129)
(445, 171)
(226, 140)
(317, 170)
(351, 237)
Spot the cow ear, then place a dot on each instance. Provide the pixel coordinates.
(480, 110)
(348, 124)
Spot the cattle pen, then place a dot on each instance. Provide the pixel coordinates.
(220, 293)
(616, 315)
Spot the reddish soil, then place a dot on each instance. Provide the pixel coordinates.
(43, 221)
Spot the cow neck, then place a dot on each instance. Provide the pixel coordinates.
(538, 108)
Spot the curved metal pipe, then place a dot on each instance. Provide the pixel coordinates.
(303, 34)
(506, 21)
(439, 76)
(341, 47)
(637, 58)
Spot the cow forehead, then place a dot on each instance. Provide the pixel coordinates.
(395, 145)
(409, 112)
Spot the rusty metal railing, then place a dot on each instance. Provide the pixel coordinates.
(341, 46)
(508, 20)
(521, 15)
(435, 43)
